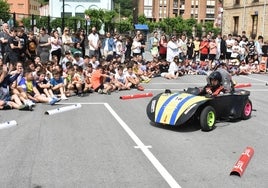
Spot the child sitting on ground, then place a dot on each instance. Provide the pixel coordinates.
(57, 84)
(28, 85)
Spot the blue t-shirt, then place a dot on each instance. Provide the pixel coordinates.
(55, 82)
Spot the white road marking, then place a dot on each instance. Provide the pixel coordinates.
(160, 168)
(138, 147)
(254, 79)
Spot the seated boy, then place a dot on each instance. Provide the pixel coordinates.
(133, 79)
(57, 84)
(28, 85)
(44, 86)
(214, 86)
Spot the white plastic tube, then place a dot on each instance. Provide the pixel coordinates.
(8, 124)
(63, 109)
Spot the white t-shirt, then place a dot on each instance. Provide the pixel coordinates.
(172, 50)
(173, 67)
(229, 42)
(94, 38)
(136, 47)
(121, 78)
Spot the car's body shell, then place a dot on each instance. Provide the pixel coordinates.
(177, 108)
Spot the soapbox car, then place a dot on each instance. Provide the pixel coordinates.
(177, 108)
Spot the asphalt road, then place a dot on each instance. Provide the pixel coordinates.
(109, 142)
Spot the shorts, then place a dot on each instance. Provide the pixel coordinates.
(203, 57)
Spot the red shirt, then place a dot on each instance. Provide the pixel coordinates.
(96, 79)
(204, 47)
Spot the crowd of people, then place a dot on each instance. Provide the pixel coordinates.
(49, 67)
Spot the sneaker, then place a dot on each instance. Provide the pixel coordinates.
(29, 102)
(107, 92)
(80, 94)
(140, 88)
(52, 101)
(147, 80)
(7, 107)
(26, 107)
(63, 97)
(100, 91)
(58, 99)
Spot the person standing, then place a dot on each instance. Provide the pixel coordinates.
(56, 45)
(163, 46)
(93, 43)
(154, 45)
(4, 36)
(31, 50)
(128, 44)
(107, 45)
(43, 45)
(14, 47)
(67, 40)
(204, 51)
(172, 48)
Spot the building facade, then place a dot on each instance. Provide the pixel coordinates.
(24, 8)
(77, 7)
(245, 15)
(201, 10)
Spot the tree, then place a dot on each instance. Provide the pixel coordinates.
(124, 7)
(100, 17)
(4, 10)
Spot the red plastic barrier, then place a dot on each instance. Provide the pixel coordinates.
(241, 165)
(141, 95)
(242, 85)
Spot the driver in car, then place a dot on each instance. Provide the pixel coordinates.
(214, 86)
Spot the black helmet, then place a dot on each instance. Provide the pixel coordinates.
(215, 76)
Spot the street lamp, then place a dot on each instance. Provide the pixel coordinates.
(63, 12)
(193, 31)
(221, 11)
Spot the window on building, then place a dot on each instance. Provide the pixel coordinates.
(236, 24)
(254, 25)
(20, 5)
(66, 14)
(148, 12)
(237, 2)
(81, 15)
(211, 3)
(148, 2)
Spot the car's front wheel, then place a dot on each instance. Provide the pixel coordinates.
(208, 118)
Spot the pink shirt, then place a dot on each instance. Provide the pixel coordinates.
(212, 48)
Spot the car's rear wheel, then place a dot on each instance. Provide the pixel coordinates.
(247, 109)
(208, 118)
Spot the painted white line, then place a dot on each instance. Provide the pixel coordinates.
(254, 79)
(81, 103)
(160, 168)
(138, 147)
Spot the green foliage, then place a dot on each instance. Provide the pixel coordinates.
(99, 17)
(124, 6)
(124, 26)
(4, 10)
(55, 23)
